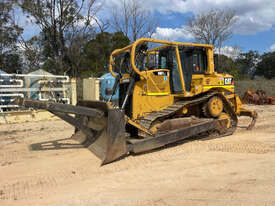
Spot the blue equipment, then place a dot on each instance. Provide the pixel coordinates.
(107, 82)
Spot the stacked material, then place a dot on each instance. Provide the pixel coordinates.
(258, 97)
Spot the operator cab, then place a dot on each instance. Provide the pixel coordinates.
(193, 61)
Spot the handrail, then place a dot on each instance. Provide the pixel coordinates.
(115, 52)
(133, 46)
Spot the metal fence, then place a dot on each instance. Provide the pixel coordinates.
(36, 86)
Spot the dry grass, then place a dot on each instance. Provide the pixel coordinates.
(267, 85)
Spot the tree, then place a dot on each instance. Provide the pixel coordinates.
(132, 19)
(266, 66)
(227, 65)
(12, 63)
(33, 53)
(246, 62)
(97, 52)
(9, 33)
(63, 23)
(213, 27)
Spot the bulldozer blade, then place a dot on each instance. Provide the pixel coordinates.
(110, 143)
(99, 126)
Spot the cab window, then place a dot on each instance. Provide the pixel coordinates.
(198, 63)
(168, 60)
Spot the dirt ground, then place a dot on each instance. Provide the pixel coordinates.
(41, 165)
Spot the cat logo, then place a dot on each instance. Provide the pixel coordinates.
(227, 81)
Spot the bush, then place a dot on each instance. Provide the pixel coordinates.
(241, 86)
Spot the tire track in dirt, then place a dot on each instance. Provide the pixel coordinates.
(144, 160)
(36, 185)
(40, 183)
(12, 156)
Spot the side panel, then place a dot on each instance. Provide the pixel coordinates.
(221, 82)
(158, 82)
(151, 95)
(203, 83)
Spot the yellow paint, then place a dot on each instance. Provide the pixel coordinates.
(217, 86)
(185, 110)
(137, 125)
(215, 106)
(144, 103)
(238, 105)
(152, 92)
(227, 117)
(132, 48)
(180, 68)
(210, 60)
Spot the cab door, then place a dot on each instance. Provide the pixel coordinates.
(193, 64)
(168, 60)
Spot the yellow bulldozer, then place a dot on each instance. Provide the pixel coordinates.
(168, 91)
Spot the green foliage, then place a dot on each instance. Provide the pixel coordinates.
(266, 67)
(65, 28)
(9, 33)
(12, 63)
(98, 50)
(241, 68)
(246, 61)
(227, 65)
(50, 65)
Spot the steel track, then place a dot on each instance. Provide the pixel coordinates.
(168, 113)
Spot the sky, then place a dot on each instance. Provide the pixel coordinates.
(254, 30)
